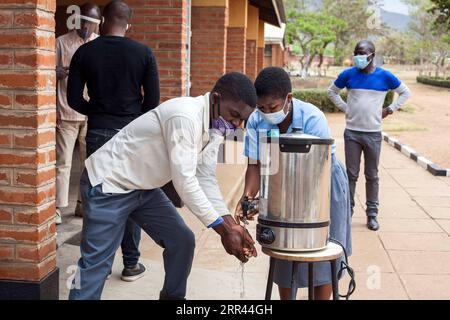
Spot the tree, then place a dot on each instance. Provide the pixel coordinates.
(441, 49)
(299, 5)
(420, 26)
(442, 9)
(312, 32)
(432, 38)
(361, 23)
(399, 48)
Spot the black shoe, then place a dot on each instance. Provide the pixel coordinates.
(132, 274)
(372, 223)
(79, 212)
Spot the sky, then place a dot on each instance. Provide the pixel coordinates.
(395, 6)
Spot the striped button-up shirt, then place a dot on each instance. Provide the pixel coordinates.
(66, 45)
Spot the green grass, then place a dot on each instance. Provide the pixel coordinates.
(408, 108)
(402, 127)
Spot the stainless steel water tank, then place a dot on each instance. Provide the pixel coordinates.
(294, 207)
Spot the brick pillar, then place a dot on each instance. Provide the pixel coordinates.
(250, 68)
(162, 26)
(277, 55)
(237, 36)
(252, 42)
(260, 59)
(273, 58)
(27, 150)
(208, 43)
(261, 43)
(267, 59)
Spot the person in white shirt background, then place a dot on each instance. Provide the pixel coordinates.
(178, 141)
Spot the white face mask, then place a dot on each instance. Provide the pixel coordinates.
(275, 117)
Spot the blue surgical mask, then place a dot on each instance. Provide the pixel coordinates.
(361, 61)
(276, 117)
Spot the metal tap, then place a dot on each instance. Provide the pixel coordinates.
(248, 206)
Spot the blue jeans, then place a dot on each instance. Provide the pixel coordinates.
(104, 225)
(95, 138)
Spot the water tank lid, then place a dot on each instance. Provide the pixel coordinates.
(297, 137)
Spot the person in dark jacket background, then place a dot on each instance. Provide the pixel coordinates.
(121, 76)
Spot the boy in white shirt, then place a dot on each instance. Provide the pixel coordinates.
(123, 177)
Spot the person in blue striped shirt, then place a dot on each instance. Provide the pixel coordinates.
(367, 87)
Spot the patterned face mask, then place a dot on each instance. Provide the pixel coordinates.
(223, 126)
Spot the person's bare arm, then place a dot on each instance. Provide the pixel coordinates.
(252, 180)
(251, 189)
(61, 71)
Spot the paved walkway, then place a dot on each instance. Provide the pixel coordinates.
(412, 248)
(408, 258)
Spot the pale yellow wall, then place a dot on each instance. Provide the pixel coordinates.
(238, 12)
(210, 3)
(252, 23)
(261, 34)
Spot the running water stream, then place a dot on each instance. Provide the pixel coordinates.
(242, 295)
(242, 267)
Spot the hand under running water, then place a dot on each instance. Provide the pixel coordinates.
(235, 239)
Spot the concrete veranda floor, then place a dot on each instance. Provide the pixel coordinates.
(407, 259)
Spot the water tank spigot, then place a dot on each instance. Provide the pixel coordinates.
(249, 206)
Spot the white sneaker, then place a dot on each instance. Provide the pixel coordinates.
(58, 219)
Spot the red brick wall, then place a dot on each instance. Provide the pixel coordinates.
(236, 47)
(27, 139)
(260, 64)
(251, 59)
(277, 59)
(161, 24)
(209, 47)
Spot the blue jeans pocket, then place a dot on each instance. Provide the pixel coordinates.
(96, 191)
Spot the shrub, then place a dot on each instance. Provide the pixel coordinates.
(438, 82)
(319, 98)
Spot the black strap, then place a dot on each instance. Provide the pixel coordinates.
(293, 225)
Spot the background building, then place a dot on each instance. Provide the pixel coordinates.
(274, 52)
